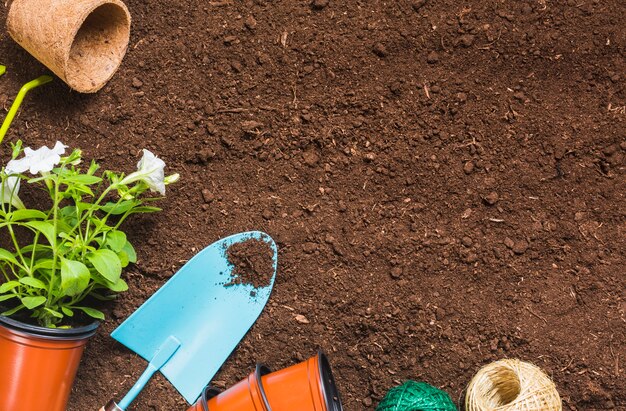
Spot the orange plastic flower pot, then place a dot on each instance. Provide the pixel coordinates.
(208, 393)
(246, 395)
(308, 386)
(38, 365)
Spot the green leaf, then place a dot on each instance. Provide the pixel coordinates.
(33, 282)
(53, 312)
(8, 286)
(119, 287)
(44, 263)
(117, 209)
(26, 214)
(92, 312)
(7, 256)
(63, 227)
(67, 311)
(13, 310)
(7, 297)
(107, 263)
(33, 302)
(130, 252)
(101, 297)
(74, 277)
(82, 179)
(115, 240)
(44, 228)
(78, 188)
(123, 258)
(145, 209)
(93, 167)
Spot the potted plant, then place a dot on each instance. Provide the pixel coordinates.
(57, 260)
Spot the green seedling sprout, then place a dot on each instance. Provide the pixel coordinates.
(19, 99)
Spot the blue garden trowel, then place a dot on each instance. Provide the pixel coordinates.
(189, 327)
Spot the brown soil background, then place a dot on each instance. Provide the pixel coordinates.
(445, 181)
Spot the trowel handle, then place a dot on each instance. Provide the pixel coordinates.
(111, 406)
(133, 392)
(161, 357)
(139, 385)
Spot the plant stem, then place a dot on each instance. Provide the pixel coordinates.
(55, 252)
(17, 250)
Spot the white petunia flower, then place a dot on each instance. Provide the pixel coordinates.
(37, 161)
(150, 170)
(9, 188)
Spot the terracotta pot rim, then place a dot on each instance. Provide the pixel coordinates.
(60, 334)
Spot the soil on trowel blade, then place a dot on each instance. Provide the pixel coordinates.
(252, 262)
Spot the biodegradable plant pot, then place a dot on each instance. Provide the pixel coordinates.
(308, 386)
(81, 41)
(38, 365)
(246, 395)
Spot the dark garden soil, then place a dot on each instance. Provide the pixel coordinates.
(252, 263)
(445, 181)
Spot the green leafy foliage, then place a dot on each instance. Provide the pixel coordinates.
(75, 247)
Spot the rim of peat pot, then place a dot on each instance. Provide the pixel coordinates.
(59, 334)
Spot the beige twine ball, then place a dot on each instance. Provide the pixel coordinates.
(512, 385)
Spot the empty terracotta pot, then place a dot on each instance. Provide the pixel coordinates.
(81, 41)
(308, 386)
(38, 365)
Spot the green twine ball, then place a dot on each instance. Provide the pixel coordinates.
(416, 396)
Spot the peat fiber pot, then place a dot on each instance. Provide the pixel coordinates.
(38, 365)
(308, 386)
(246, 395)
(81, 41)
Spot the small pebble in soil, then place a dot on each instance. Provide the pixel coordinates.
(418, 4)
(380, 50)
(137, 83)
(250, 22)
(236, 66)
(320, 4)
(252, 262)
(302, 319)
(207, 196)
(310, 158)
(466, 40)
(228, 40)
(468, 167)
(492, 198)
(520, 247)
(396, 273)
(432, 57)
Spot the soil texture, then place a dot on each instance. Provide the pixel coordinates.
(445, 182)
(252, 261)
